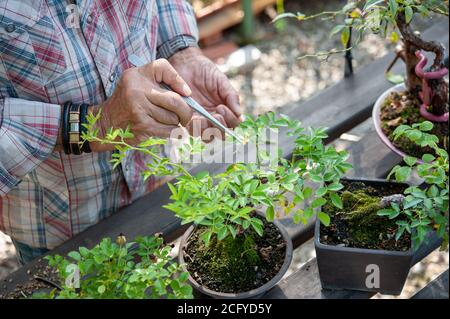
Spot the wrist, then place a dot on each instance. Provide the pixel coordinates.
(175, 45)
(185, 55)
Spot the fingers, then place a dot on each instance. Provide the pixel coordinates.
(163, 116)
(173, 103)
(163, 72)
(230, 96)
(157, 129)
(197, 125)
(231, 119)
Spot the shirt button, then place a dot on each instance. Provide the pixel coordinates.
(89, 19)
(10, 28)
(112, 77)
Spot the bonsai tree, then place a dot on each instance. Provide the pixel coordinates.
(425, 87)
(235, 245)
(224, 203)
(423, 209)
(117, 271)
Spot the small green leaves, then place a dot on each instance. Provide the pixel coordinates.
(410, 160)
(270, 213)
(409, 13)
(324, 218)
(318, 202)
(336, 200)
(393, 7)
(422, 207)
(371, 3)
(402, 173)
(345, 36)
(394, 78)
(426, 126)
(109, 271)
(101, 289)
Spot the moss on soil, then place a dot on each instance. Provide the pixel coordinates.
(403, 108)
(358, 225)
(236, 265)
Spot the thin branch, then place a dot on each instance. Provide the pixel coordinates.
(325, 54)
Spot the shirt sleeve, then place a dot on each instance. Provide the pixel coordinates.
(177, 28)
(28, 135)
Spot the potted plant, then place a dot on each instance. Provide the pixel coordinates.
(370, 242)
(424, 93)
(140, 270)
(236, 249)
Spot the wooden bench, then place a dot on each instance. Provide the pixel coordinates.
(340, 107)
(437, 289)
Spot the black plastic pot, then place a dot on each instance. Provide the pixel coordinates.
(350, 268)
(252, 294)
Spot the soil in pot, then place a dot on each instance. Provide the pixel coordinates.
(404, 108)
(357, 225)
(236, 265)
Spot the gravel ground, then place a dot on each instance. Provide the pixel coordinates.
(280, 78)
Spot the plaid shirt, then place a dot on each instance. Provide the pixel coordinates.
(46, 59)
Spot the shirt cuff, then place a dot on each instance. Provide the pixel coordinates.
(177, 43)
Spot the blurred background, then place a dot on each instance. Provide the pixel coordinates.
(261, 59)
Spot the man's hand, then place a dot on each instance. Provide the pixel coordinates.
(140, 102)
(210, 87)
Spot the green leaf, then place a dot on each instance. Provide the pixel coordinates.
(337, 29)
(393, 7)
(345, 36)
(412, 203)
(74, 255)
(284, 16)
(232, 230)
(258, 228)
(394, 78)
(318, 202)
(307, 192)
(324, 218)
(426, 126)
(371, 3)
(394, 37)
(222, 233)
(101, 289)
(321, 191)
(335, 187)
(428, 158)
(270, 213)
(410, 160)
(402, 173)
(409, 14)
(336, 200)
(201, 175)
(385, 212)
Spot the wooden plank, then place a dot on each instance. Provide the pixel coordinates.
(305, 283)
(437, 289)
(347, 104)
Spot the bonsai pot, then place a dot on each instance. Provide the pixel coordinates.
(377, 120)
(349, 268)
(252, 294)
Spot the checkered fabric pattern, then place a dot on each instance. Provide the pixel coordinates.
(53, 51)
